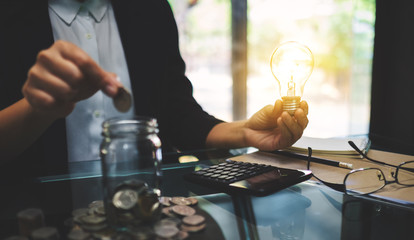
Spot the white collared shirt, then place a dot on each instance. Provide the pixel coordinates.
(92, 27)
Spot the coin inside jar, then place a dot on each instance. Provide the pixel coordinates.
(125, 199)
(123, 100)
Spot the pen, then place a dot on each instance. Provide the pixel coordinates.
(314, 159)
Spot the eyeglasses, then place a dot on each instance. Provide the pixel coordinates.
(369, 180)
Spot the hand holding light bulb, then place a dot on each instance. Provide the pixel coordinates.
(291, 64)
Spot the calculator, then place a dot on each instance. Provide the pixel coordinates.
(235, 177)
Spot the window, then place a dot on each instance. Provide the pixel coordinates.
(340, 34)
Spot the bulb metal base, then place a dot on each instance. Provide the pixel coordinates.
(290, 104)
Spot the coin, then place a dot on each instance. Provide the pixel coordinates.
(80, 212)
(125, 199)
(193, 200)
(166, 231)
(182, 235)
(141, 232)
(123, 100)
(29, 220)
(45, 233)
(176, 220)
(149, 205)
(100, 210)
(194, 220)
(183, 210)
(180, 201)
(193, 229)
(78, 234)
(165, 222)
(167, 212)
(95, 204)
(92, 219)
(165, 201)
(94, 228)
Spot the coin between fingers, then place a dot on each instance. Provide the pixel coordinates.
(123, 100)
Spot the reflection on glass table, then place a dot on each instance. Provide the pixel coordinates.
(307, 210)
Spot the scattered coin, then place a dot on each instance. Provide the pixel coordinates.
(29, 220)
(193, 200)
(80, 212)
(165, 201)
(165, 222)
(100, 210)
(180, 201)
(166, 231)
(94, 228)
(95, 204)
(194, 220)
(182, 235)
(193, 229)
(123, 100)
(78, 234)
(108, 233)
(125, 199)
(45, 233)
(167, 212)
(183, 210)
(176, 220)
(92, 219)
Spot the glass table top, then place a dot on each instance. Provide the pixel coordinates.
(307, 210)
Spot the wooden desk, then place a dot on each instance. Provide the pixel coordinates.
(392, 192)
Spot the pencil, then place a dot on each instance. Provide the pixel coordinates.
(316, 160)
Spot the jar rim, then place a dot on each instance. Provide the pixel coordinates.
(148, 121)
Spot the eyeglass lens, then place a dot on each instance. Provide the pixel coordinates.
(364, 181)
(405, 174)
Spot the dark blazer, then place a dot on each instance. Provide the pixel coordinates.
(149, 36)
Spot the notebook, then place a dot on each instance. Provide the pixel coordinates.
(330, 146)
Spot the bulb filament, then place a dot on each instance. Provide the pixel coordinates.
(291, 87)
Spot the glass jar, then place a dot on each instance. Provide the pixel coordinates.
(131, 170)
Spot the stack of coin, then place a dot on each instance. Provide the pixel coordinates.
(193, 223)
(181, 218)
(29, 220)
(45, 233)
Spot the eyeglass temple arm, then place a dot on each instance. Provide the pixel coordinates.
(335, 186)
(352, 144)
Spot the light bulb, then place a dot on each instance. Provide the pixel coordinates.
(291, 64)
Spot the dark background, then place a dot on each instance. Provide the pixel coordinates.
(392, 111)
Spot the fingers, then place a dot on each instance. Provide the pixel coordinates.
(295, 129)
(301, 118)
(304, 107)
(278, 108)
(63, 75)
(91, 71)
(286, 138)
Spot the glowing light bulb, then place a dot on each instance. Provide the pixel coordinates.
(291, 64)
